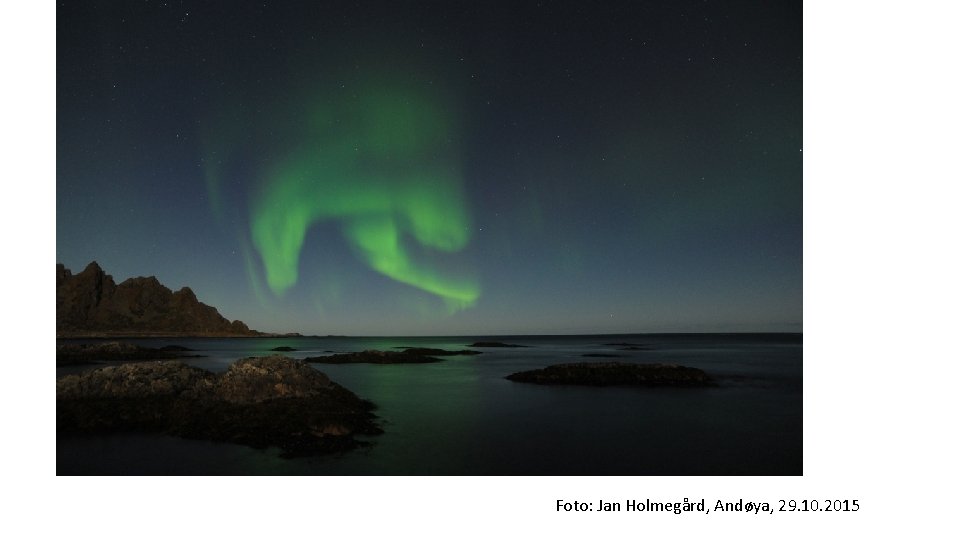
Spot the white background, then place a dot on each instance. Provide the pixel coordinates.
(881, 241)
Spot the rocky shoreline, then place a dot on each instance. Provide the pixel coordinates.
(258, 402)
(273, 401)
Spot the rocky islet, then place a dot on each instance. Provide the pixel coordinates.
(259, 402)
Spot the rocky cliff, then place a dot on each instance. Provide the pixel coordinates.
(92, 304)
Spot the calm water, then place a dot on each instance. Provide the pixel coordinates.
(461, 417)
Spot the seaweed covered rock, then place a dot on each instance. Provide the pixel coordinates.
(614, 373)
(259, 402)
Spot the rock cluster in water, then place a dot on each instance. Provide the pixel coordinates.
(373, 357)
(614, 373)
(115, 351)
(425, 351)
(258, 402)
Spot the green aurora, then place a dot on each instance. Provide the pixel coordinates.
(382, 164)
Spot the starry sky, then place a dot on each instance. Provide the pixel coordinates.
(440, 168)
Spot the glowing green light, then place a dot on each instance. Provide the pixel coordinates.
(382, 165)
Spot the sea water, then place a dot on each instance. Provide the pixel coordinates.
(461, 416)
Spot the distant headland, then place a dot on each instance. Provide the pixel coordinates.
(91, 304)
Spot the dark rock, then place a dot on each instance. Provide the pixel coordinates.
(424, 351)
(372, 357)
(91, 304)
(615, 373)
(259, 402)
(134, 381)
(253, 380)
(113, 351)
(624, 346)
(283, 349)
(175, 348)
(493, 344)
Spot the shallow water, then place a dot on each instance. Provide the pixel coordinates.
(461, 417)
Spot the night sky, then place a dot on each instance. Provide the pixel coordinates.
(394, 168)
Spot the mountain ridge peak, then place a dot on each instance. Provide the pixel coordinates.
(90, 304)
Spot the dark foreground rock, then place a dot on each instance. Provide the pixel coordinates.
(373, 357)
(615, 373)
(283, 348)
(493, 344)
(258, 402)
(114, 351)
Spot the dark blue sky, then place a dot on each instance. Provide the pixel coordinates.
(616, 168)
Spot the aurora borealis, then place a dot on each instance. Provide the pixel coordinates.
(380, 165)
(423, 169)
